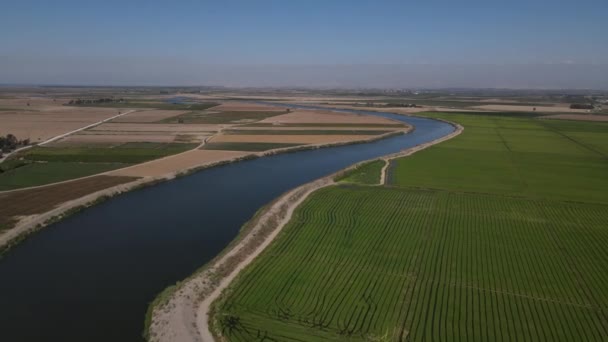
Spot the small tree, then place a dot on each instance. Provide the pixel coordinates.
(11, 141)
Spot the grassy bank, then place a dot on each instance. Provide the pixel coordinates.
(368, 173)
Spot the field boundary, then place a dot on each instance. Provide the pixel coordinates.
(182, 312)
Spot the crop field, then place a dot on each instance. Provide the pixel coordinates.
(564, 160)
(127, 153)
(39, 200)
(305, 132)
(150, 104)
(496, 235)
(45, 165)
(366, 263)
(321, 124)
(33, 174)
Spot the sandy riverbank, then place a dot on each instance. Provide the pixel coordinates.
(182, 313)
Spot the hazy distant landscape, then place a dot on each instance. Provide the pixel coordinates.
(303, 171)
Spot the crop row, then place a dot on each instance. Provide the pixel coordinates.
(368, 263)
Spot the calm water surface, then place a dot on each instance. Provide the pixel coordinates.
(90, 277)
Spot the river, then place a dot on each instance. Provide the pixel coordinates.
(91, 276)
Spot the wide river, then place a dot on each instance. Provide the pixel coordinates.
(91, 276)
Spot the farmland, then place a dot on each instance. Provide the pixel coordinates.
(565, 160)
(497, 234)
(39, 200)
(45, 165)
(213, 117)
(148, 104)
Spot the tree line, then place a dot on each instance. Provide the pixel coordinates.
(94, 101)
(10, 142)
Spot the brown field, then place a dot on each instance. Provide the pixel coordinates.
(39, 200)
(147, 116)
(40, 126)
(581, 117)
(305, 116)
(177, 163)
(35, 103)
(543, 109)
(288, 139)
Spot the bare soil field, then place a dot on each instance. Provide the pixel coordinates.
(288, 139)
(39, 200)
(306, 116)
(177, 163)
(580, 117)
(39, 126)
(148, 116)
(542, 109)
(35, 103)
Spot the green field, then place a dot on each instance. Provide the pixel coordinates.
(304, 132)
(498, 234)
(368, 173)
(33, 174)
(128, 153)
(337, 124)
(45, 165)
(151, 105)
(564, 160)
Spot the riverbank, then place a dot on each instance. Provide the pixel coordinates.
(182, 312)
(31, 224)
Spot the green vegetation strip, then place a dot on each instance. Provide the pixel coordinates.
(211, 117)
(150, 104)
(368, 173)
(303, 132)
(127, 153)
(45, 165)
(241, 146)
(497, 234)
(34, 174)
(337, 124)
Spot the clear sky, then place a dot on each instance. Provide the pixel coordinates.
(195, 42)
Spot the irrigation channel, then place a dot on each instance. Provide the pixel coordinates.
(91, 276)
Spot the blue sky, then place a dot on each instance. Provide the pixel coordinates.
(271, 33)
